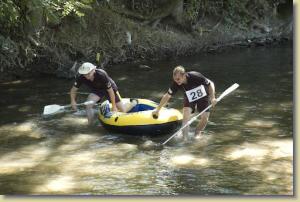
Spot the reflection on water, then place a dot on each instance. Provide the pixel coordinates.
(247, 148)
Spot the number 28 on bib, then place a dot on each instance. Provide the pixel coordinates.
(196, 93)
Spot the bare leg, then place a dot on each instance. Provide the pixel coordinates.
(89, 108)
(121, 106)
(126, 107)
(186, 117)
(202, 124)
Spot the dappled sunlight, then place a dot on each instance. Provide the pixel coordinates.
(26, 129)
(227, 135)
(250, 153)
(59, 184)
(236, 116)
(277, 168)
(95, 161)
(77, 160)
(124, 170)
(257, 123)
(199, 143)
(82, 139)
(280, 148)
(274, 174)
(271, 158)
(23, 127)
(117, 150)
(182, 159)
(262, 150)
(73, 120)
(77, 141)
(188, 161)
(276, 132)
(23, 158)
(246, 148)
(79, 165)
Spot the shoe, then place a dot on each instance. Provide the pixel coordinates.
(105, 110)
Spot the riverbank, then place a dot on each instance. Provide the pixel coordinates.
(114, 33)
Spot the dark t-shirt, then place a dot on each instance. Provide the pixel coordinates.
(101, 82)
(194, 82)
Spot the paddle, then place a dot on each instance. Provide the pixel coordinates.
(226, 92)
(53, 109)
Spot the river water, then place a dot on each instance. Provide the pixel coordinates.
(247, 149)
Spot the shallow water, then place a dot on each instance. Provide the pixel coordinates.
(247, 148)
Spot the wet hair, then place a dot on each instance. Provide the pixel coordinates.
(179, 70)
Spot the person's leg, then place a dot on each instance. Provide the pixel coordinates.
(187, 111)
(202, 105)
(202, 124)
(124, 107)
(89, 108)
(119, 102)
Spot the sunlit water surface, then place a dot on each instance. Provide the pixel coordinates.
(247, 148)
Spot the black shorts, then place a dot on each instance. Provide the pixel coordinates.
(104, 93)
(201, 104)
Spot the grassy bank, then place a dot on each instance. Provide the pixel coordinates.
(46, 39)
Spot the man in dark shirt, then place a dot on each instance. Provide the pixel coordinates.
(100, 84)
(198, 93)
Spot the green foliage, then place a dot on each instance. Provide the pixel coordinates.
(56, 10)
(9, 15)
(8, 52)
(22, 20)
(233, 11)
(14, 13)
(200, 8)
(245, 11)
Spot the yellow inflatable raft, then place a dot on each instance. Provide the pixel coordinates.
(139, 120)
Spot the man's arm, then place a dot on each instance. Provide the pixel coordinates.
(164, 100)
(212, 92)
(73, 93)
(111, 94)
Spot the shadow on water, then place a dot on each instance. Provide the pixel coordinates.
(247, 148)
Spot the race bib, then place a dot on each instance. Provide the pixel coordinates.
(196, 93)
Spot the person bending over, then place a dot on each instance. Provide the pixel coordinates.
(100, 85)
(199, 92)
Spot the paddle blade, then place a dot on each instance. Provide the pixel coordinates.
(52, 109)
(227, 91)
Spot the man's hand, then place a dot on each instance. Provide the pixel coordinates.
(155, 113)
(114, 109)
(213, 101)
